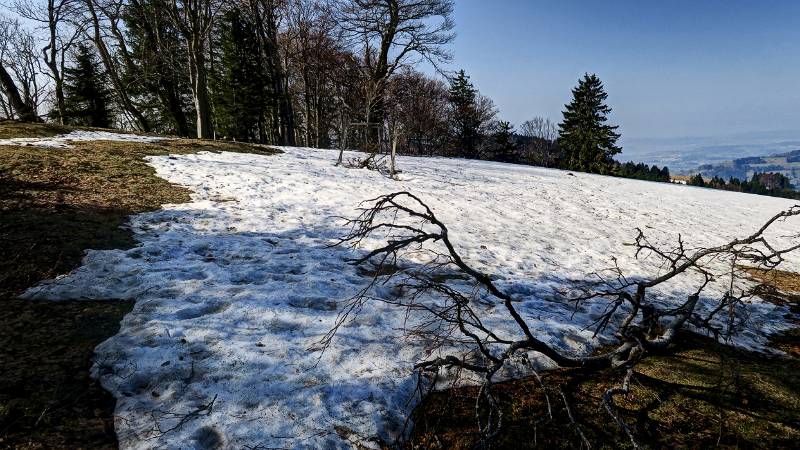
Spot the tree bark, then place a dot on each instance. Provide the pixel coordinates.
(51, 61)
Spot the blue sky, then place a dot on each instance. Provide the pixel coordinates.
(671, 68)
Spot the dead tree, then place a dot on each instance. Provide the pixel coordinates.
(448, 298)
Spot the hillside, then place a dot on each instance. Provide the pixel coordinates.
(787, 164)
(234, 287)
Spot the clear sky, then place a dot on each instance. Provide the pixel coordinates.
(671, 68)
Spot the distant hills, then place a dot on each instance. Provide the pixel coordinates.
(738, 155)
(787, 164)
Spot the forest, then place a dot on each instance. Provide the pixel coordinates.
(355, 74)
(769, 183)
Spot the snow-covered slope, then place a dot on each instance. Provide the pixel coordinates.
(64, 140)
(233, 288)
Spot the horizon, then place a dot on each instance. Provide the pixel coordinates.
(715, 71)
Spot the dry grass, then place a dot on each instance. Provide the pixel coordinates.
(55, 204)
(788, 282)
(14, 129)
(705, 395)
(47, 399)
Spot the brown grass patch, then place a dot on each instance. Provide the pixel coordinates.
(47, 399)
(56, 203)
(783, 281)
(13, 129)
(704, 395)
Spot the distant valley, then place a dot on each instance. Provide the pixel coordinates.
(787, 164)
(711, 157)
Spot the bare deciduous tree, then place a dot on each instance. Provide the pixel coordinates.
(540, 146)
(391, 34)
(16, 55)
(539, 127)
(448, 298)
(102, 19)
(63, 25)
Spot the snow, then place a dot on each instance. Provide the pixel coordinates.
(64, 140)
(233, 288)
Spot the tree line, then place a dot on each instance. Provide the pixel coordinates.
(770, 183)
(316, 73)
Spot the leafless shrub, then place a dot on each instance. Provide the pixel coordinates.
(448, 297)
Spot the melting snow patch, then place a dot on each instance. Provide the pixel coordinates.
(231, 295)
(63, 140)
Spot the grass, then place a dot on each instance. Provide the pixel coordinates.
(55, 204)
(703, 395)
(14, 129)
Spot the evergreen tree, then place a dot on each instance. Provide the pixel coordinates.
(697, 180)
(241, 97)
(590, 144)
(87, 97)
(156, 78)
(470, 114)
(505, 143)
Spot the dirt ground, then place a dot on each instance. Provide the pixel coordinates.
(705, 395)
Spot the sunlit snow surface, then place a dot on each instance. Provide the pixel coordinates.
(64, 140)
(233, 288)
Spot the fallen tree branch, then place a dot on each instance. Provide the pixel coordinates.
(450, 312)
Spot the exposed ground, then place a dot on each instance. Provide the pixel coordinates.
(705, 395)
(54, 204)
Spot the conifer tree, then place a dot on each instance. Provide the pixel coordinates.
(505, 143)
(87, 97)
(241, 94)
(462, 101)
(589, 143)
(156, 75)
(470, 115)
(697, 180)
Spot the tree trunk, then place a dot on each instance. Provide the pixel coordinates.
(108, 61)
(392, 169)
(51, 61)
(279, 81)
(23, 110)
(171, 101)
(168, 91)
(199, 77)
